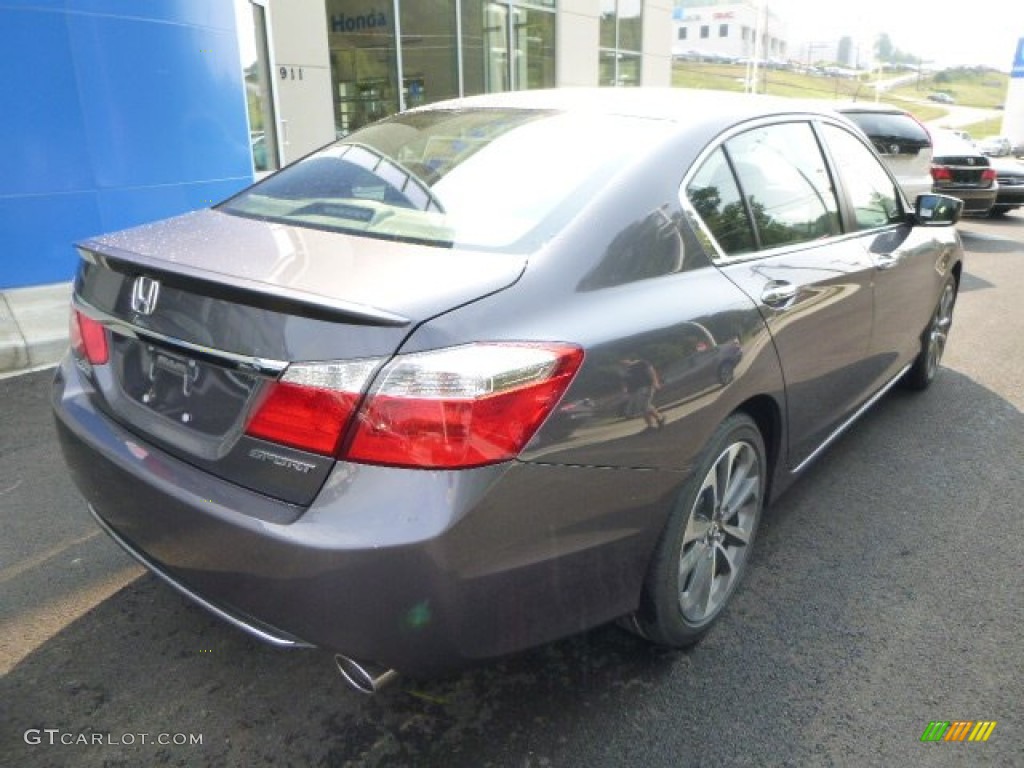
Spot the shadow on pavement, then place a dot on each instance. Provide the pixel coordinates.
(868, 610)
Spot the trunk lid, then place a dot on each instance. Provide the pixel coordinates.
(204, 310)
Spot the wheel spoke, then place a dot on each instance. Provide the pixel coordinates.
(946, 304)
(699, 593)
(740, 493)
(688, 561)
(697, 528)
(726, 466)
(722, 554)
(736, 534)
(710, 486)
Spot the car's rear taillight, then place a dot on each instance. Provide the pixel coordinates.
(452, 408)
(310, 406)
(941, 173)
(461, 407)
(88, 338)
(989, 175)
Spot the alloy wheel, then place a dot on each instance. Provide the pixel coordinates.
(718, 532)
(939, 331)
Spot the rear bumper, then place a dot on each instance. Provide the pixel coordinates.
(976, 201)
(267, 634)
(416, 570)
(1010, 197)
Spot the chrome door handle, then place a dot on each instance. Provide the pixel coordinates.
(887, 260)
(777, 293)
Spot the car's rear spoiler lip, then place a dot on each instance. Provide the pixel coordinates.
(239, 290)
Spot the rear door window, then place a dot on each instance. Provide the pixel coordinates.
(716, 198)
(785, 181)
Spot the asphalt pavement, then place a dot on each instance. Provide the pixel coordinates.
(885, 593)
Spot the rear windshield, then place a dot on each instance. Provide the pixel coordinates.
(494, 179)
(892, 134)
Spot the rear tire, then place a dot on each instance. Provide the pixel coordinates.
(704, 548)
(933, 341)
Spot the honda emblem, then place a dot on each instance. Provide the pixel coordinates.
(145, 292)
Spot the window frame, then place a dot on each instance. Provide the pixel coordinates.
(847, 223)
(618, 52)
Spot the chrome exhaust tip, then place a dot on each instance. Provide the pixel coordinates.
(365, 677)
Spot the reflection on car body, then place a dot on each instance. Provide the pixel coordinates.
(494, 371)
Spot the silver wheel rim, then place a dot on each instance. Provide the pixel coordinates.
(939, 331)
(718, 532)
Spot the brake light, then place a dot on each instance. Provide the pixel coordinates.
(989, 174)
(461, 407)
(941, 173)
(311, 405)
(924, 128)
(452, 408)
(88, 338)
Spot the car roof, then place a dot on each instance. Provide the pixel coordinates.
(869, 106)
(948, 143)
(682, 105)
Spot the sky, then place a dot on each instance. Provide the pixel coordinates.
(948, 33)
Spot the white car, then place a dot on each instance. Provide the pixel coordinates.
(996, 146)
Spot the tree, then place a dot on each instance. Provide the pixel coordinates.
(845, 52)
(884, 48)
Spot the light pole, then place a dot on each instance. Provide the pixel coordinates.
(759, 25)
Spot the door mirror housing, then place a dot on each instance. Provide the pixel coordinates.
(937, 210)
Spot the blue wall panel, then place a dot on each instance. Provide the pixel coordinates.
(155, 119)
(37, 232)
(127, 206)
(42, 125)
(117, 112)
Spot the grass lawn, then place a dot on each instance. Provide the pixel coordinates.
(990, 127)
(970, 87)
(730, 77)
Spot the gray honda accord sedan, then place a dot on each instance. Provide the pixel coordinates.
(494, 371)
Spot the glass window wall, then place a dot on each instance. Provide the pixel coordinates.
(363, 56)
(259, 95)
(533, 46)
(430, 68)
(621, 36)
(507, 46)
(502, 46)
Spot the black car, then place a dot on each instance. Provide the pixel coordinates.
(1010, 175)
(493, 371)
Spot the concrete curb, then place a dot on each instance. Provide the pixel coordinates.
(33, 327)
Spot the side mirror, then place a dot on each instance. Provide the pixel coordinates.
(937, 210)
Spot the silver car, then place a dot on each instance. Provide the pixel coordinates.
(961, 170)
(902, 142)
(493, 371)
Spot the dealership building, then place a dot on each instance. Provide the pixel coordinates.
(119, 112)
(322, 68)
(727, 28)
